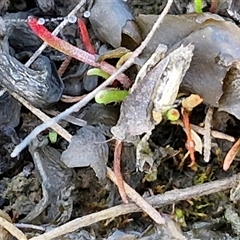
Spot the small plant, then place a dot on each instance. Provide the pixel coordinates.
(110, 95)
(172, 114)
(97, 72)
(198, 6)
(52, 136)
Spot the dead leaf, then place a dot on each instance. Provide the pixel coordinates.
(117, 26)
(87, 148)
(191, 102)
(231, 155)
(217, 46)
(156, 92)
(230, 100)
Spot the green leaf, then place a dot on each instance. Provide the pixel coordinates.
(52, 137)
(198, 6)
(173, 114)
(110, 95)
(98, 72)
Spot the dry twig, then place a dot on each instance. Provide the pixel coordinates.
(42, 116)
(12, 229)
(231, 155)
(117, 170)
(29, 226)
(157, 201)
(64, 66)
(207, 141)
(138, 200)
(72, 99)
(214, 134)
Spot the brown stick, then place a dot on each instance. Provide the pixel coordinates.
(231, 155)
(117, 170)
(12, 229)
(157, 201)
(143, 204)
(64, 66)
(42, 116)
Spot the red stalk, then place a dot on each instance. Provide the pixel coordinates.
(85, 36)
(190, 145)
(117, 170)
(73, 51)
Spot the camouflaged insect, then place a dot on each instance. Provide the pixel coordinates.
(153, 94)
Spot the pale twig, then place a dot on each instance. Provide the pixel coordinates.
(12, 229)
(72, 99)
(138, 200)
(207, 141)
(214, 134)
(29, 226)
(157, 201)
(92, 94)
(70, 118)
(55, 32)
(42, 116)
(231, 155)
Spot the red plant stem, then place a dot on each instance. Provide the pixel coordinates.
(64, 66)
(73, 51)
(117, 170)
(85, 36)
(214, 4)
(190, 145)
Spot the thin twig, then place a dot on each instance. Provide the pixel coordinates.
(92, 94)
(64, 66)
(214, 134)
(29, 226)
(70, 118)
(55, 32)
(136, 198)
(207, 140)
(42, 116)
(231, 155)
(12, 229)
(117, 170)
(72, 99)
(157, 201)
